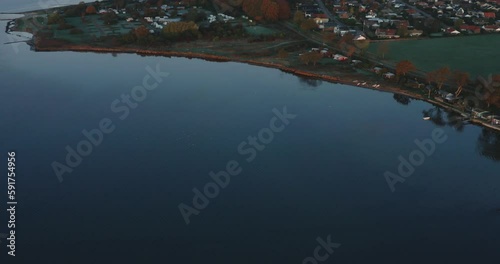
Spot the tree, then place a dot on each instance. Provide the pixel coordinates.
(350, 51)
(442, 75)
(119, 3)
(141, 32)
(330, 37)
(308, 57)
(347, 39)
(404, 67)
(430, 77)
(362, 45)
(110, 18)
(283, 54)
(272, 12)
(492, 93)
(90, 10)
(461, 79)
(284, 9)
(298, 18)
(458, 23)
(308, 24)
(179, 27)
(403, 31)
(54, 19)
(402, 99)
(382, 49)
(488, 144)
(315, 57)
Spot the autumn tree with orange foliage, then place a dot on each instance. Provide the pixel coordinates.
(271, 10)
(90, 10)
(404, 67)
(441, 76)
(141, 32)
(284, 11)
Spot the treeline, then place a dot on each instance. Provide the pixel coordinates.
(457, 79)
(183, 31)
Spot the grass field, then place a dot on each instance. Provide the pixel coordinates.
(478, 55)
(259, 30)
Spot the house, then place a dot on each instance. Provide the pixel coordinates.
(489, 15)
(359, 37)
(495, 120)
(343, 15)
(389, 75)
(491, 28)
(386, 33)
(452, 31)
(377, 70)
(401, 23)
(415, 33)
(356, 62)
(320, 18)
(339, 57)
(329, 26)
(470, 29)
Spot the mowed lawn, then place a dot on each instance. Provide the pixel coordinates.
(478, 55)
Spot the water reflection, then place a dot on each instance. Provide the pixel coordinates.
(488, 144)
(402, 99)
(436, 116)
(310, 83)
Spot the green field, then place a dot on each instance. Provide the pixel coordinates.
(259, 30)
(93, 27)
(478, 55)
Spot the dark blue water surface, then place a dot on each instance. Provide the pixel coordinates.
(323, 175)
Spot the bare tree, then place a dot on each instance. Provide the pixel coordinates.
(461, 79)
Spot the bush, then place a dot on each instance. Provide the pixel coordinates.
(54, 19)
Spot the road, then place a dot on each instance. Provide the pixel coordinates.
(334, 19)
(328, 13)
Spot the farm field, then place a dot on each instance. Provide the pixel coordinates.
(477, 55)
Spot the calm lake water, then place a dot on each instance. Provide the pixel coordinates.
(323, 175)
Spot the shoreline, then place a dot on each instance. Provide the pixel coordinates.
(218, 58)
(307, 74)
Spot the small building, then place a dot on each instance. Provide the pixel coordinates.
(359, 37)
(452, 31)
(389, 75)
(470, 29)
(479, 113)
(386, 33)
(491, 28)
(320, 18)
(377, 70)
(340, 57)
(495, 120)
(489, 15)
(415, 33)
